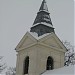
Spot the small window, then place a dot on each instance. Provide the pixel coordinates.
(49, 65)
(26, 65)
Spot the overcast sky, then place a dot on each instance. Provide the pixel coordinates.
(17, 16)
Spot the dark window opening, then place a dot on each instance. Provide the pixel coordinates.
(49, 65)
(26, 65)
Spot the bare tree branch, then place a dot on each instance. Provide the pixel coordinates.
(2, 65)
(69, 55)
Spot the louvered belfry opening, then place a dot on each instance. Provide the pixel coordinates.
(49, 65)
(26, 65)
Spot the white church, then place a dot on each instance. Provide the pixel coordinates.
(40, 51)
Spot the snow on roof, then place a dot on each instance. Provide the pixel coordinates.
(35, 35)
(44, 11)
(44, 23)
(61, 71)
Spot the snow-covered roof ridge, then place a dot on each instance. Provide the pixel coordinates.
(61, 71)
(35, 35)
(43, 23)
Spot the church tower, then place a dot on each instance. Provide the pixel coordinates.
(40, 49)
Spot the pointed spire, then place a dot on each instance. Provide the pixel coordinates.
(42, 23)
(43, 6)
(43, 15)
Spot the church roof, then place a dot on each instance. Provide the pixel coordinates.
(43, 16)
(34, 36)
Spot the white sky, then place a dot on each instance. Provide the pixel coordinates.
(17, 16)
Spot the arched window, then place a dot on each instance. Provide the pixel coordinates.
(49, 65)
(26, 65)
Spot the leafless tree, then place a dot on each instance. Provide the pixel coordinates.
(2, 65)
(11, 71)
(69, 55)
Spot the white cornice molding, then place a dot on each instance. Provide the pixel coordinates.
(19, 49)
(58, 49)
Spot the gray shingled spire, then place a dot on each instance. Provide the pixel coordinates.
(43, 15)
(42, 23)
(43, 6)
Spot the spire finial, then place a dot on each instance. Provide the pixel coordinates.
(44, 1)
(43, 6)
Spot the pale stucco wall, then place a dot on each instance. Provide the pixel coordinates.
(38, 58)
